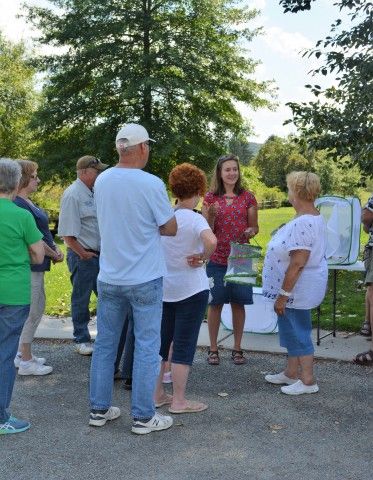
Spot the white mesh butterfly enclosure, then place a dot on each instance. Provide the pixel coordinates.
(342, 217)
(243, 263)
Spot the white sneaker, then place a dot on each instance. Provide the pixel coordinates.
(280, 379)
(299, 388)
(33, 368)
(158, 422)
(39, 360)
(84, 348)
(97, 419)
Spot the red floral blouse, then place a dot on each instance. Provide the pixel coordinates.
(230, 222)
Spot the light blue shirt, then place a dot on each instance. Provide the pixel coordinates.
(131, 206)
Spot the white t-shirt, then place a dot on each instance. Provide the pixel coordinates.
(131, 206)
(183, 281)
(307, 232)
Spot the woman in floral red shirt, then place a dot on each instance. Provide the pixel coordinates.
(232, 214)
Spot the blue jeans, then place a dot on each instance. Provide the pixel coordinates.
(83, 276)
(114, 302)
(126, 345)
(295, 332)
(181, 322)
(12, 319)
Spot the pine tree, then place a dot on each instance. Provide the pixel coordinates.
(176, 67)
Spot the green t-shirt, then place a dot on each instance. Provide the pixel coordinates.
(17, 231)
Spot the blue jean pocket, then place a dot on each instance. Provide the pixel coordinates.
(148, 293)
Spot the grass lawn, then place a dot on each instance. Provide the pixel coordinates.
(350, 294)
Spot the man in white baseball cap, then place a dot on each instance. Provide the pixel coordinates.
(133, 211)
(132, 134)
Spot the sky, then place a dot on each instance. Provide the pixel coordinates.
(285, 35)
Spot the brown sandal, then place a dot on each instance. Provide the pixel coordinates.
(238, 358)
(213, 357)
(364, 358)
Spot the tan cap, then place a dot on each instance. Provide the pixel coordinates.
(90, 162)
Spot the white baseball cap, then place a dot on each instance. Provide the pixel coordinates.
(132, 134)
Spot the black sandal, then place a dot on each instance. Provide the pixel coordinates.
(365, 329)
(213, 357)
(365, 359)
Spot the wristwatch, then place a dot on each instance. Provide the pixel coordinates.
(284, 293)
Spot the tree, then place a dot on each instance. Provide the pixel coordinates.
(341, 117)
(276, 158)
(177, 67)
(17, 99)
(337, 178)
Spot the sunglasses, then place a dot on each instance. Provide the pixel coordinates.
(225, 158)
(92, 163)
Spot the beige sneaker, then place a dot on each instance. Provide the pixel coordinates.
(84, 348)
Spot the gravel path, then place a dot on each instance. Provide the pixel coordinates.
(253, 432)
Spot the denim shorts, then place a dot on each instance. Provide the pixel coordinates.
(181, 322)
(368, 263)
(227, 292)
(295, 328)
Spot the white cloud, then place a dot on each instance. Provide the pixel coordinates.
(288, 44)
(258, 4)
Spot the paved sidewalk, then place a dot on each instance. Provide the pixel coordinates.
(343, 347)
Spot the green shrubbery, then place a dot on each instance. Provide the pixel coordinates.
(263, 194)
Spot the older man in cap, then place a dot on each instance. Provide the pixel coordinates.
(79, 229)
(133, 211)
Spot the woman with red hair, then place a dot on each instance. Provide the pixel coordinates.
(185, 287)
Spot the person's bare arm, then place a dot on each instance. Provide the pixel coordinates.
(169, 229)
(367, 219)
(252, 220)
(36, 252)
(298, 259)
(75, 246)
(209, 244)
(209, 211)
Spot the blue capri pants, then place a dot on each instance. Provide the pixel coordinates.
(181, 322)
(295, 328)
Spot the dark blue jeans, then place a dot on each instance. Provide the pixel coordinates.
(83, 276)
(181, 322)
(12, 319)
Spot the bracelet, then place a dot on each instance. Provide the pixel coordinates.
(284, 293)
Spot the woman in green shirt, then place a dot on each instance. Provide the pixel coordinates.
(20, 244)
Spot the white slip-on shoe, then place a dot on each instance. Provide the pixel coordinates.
(98, 418)
(158, 422)
(39, 360)
(280, 379)
(84, 348)
(33, 368)
(299, 388)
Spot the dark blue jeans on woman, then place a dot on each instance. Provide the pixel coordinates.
(12, 319)
(181, 322)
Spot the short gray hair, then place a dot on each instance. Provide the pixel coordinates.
(10, 175)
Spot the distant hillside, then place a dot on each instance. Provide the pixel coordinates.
(254, 148)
